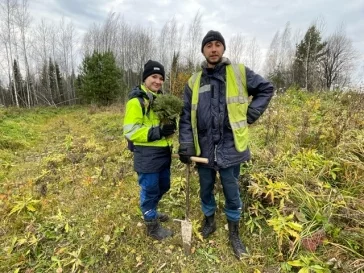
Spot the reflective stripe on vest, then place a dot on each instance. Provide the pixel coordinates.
(236, 100)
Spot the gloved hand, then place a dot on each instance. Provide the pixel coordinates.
(252, 115)
(185, 151)
(168, 129)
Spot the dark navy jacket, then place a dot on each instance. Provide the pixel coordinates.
(214, 132)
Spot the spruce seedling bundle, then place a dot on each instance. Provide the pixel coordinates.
(167, 107)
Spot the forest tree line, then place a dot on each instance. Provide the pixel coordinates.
(52, 64)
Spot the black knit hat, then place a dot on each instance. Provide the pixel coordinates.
(153, 67)
(213, 35)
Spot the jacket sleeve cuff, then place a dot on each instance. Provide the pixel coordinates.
(187, 148)
(154, 133)
(252, 115)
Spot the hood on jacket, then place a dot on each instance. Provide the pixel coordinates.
(137, 92)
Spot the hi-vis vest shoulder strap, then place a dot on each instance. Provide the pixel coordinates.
(236, 100)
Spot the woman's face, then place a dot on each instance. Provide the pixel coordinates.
(154, 82)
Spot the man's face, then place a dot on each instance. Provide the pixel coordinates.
(213, 52)
(154, 82)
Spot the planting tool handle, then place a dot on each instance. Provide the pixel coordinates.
(194, 159)
(188, 174)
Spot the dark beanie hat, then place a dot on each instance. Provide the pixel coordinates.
(152, 67)
(213, 35)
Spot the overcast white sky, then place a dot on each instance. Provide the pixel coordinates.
(254, 18)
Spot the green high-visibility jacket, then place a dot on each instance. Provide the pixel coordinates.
(152, 152)
(138, 127)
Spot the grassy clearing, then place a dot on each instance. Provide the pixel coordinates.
(69, 197)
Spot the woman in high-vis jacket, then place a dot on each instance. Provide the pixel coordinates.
(151, 147)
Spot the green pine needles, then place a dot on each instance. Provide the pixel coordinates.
(167, 107)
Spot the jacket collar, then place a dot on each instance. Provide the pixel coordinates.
(224, 62)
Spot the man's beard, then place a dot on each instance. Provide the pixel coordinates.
(214, 62)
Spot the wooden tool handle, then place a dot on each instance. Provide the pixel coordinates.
(199, 159)
(194, 158)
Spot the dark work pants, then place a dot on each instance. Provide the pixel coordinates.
(230, 183)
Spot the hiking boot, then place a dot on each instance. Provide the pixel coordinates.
(208, 226)
(238, 246)
(162, 217)
(156, 231)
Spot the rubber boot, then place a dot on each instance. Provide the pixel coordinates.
(238, 246)
(208, 226)
(162, 217)
(156, 231)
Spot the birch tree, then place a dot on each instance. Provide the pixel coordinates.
(23, 20)
(237, 47)
(272, 58)
(41, 49)
(67, 40)
(194, 37)
(253, 55)
(8, 8)
(337, 61)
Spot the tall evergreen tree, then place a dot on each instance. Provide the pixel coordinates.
(2, 95)
(308, 54)
(53, 81)
(72, 82)
(44, 91)
(60, 83)
(18, 80)
(100, 79)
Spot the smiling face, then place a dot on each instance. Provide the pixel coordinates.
(213, 52)
(154, 82)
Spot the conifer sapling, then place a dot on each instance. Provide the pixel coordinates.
(167, 108)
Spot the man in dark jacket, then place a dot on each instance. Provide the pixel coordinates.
(214, 124)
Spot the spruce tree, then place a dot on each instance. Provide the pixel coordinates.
(19, 84)
(60, 83)
(52, 81)
(100, 79)
(46, 95)
(308, 54)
